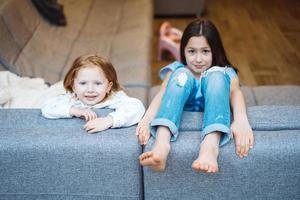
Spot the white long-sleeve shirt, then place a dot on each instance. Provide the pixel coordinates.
(127, 110)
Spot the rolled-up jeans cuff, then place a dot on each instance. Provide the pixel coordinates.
(226, 132)
(164, 122)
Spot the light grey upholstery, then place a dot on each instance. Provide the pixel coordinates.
(57, 159)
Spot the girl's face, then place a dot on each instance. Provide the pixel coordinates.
(198, 55)
(91, 85)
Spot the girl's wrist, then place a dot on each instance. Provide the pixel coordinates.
(109, 121)
(240, 116)
(72, 111)
(146, 119)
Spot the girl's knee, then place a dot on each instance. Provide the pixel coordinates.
(217, 81)
(217, 76)
(181, 78)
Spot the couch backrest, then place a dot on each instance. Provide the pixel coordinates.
(56, 159)
(30, 46)
(18, 22)
(119, 30)
(261, 118)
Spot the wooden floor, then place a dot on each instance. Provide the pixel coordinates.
(261, 38)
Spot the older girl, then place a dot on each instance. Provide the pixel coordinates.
(204, 81)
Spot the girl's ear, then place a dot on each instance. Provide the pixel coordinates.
(72, 87)
(110, 84)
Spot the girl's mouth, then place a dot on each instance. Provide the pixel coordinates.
(90, 98)
(199, 66)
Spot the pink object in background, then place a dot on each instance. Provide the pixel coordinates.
(169, 40)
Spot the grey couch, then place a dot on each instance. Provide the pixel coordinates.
(271, 171)
(56, 159)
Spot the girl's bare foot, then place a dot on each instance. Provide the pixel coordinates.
(156, 159)
(208, 154)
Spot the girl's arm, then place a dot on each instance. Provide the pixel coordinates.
(143, 128)
(127, 112)
(241, 129)
(62, 106)
(57, 107)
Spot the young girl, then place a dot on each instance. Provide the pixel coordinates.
(205, 81)
(92, 83)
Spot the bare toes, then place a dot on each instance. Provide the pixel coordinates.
(146, 155)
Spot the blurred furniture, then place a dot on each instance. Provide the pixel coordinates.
(169, 40)
(179, 8)
(31, 46)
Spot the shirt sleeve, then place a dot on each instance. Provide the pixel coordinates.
(128, 111)
(231, 73)
(57, 107)
(171, 67)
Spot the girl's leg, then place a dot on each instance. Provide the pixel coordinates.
(216, 122)
(164, 128)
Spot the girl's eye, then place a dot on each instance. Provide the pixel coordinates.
(98, 83)
(206, 51)
(191, 51)
(82, 83)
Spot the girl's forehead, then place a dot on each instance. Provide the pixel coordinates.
(90, 70)
(197, 41)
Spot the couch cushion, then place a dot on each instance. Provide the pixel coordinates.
(9, 48)
(17, 25)
(269, 172)
(261, 118)
(108, 28)
(277, 95)
(47, 52)
(248, 95)
(57, 159)
(138, 91)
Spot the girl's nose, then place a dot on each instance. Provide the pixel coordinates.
(198, 58)
(90, 88)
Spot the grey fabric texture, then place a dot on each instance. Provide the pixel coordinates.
(261, 118)
(277, 95)
(269, 172)
(249, 96)
(57, 159)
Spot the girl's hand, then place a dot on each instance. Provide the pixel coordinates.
(143, 132)
(98, 124)
(85, 113)
(243, 136)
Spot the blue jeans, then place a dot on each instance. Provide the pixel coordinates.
(211, 94)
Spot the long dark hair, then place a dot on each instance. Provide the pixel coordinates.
(204, 27)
